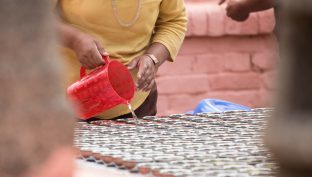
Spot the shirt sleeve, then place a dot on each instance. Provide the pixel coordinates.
(171, 25)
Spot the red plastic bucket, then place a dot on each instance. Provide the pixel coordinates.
(102, 89)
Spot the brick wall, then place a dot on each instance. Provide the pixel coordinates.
(221, 59)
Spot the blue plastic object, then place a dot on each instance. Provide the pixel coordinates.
(215, 105)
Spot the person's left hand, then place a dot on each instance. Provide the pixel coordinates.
(146, 74)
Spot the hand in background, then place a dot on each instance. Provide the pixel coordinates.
(88, 51)
(147, 72)
(236, 9)
(221, 2)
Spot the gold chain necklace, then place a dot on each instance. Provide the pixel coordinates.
(120, 21)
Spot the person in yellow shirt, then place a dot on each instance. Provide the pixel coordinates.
(142, 34)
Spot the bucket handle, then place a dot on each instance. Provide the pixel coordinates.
(83, 69)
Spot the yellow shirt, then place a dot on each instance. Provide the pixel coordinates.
(162, 21)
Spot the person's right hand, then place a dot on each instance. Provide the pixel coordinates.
(221, 2)
(88, 51)
(236, 9)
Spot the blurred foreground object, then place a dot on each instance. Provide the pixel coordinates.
(290, 130)
(35, 124)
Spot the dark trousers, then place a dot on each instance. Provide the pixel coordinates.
(149, 106)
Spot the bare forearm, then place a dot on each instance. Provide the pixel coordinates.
(240, 10)
(159, 51)
(259, 5)
(67, 34)
(86, 48)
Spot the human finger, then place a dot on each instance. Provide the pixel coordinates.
(101, 49)
(134, 63)
(150, 86)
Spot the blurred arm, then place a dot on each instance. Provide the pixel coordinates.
(87, 49)
(239, 10)
(258, 5)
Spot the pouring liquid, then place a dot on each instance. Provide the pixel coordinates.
(133, 113)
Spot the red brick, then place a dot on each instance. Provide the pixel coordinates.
(168, 112)
(182, 65)
(202, 45)
(251, 25)
(216, 21)
(183, 84)
(248, 27)
(209, 63)
(234, 81)
(266, 21)
(269, 80)
(162, 103)
(237, 62)
(264, 61)
(218, 24)
(189, 26)
(266, 98)
(218, 66)
(183, 103)
(232, 27)
(199, 20)
(253, 98)
(193, 46)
